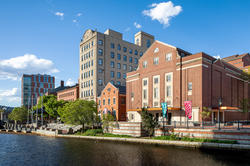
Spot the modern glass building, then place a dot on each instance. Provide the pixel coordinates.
(34, 86)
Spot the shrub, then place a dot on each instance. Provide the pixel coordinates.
(93, 132)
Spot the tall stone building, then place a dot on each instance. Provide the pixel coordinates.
(106, 57)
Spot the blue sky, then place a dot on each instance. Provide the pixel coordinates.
(44, 35)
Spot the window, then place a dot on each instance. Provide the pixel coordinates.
(190, 86)
(156, 61)
(124, 75)
(125, 58)
(100, 82)
(113, 100)
(130, 68)
(112, 64)
(141, 53)
(103, 102)
(119, 56)
(108, 101)
(130, 59)
(148, 43)
(100, 42)
(118, 83)
(100, 61)
(168, 91)
(145, 82)
(145, 94)
(124, 49)
(130, 51)
(168, 78)
(124, 67)
(118, 75)
(112, 55)
(156, 80)
(112, 45)
(136, 52)
(92, 72)
(92, 63)
(100, 70)
(169, 56)
(137, 41)
(145, 63)
(112, 74)
(118, 66)
(156, 93)
(100, 52)
(136, 61)
(119, 47)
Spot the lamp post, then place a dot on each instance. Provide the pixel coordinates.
(220, 104)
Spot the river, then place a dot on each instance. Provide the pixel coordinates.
(31, 150)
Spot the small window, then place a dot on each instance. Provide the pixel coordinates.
(168, 78)
(130, 51)
(124, 67)
(118, 47)
(113, 100)
(124, 49)
(100, 61)
(130, 68)
(112, 45)
(136, 52)
(156, 61)
(124, 75)
(118, 83)
(156, 80)
(112, 55)
(100, 52)
(130, 59)
(119, 56)
(125, 58)
(145, 64)
(100, 82)
(118, 75)
(112, 64)
(100, 42)
(108, 101)
(148, 43)
(141, 53)
(169, 56)
(136, 61)
(118, 66)
(112, 74)
(103, 102)
(145, 82)
(168, 91)
(100, 70)
(190, 86)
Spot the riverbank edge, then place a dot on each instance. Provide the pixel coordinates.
(165, 142)
(186, 144)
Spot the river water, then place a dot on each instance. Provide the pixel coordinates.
(31, 150)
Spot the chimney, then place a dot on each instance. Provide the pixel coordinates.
(62, 83)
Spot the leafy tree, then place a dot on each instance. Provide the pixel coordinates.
(149, 123)
(245, 105)
(79, 112)
(106, 121)
(245, 75)
(205, 113)
(19, 114)
(51, 105)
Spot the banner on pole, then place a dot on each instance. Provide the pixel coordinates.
(164, 107)
(188, 109)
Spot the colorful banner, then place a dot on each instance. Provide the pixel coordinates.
(164, 107)
(188, 109)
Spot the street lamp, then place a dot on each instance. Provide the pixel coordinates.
(220, 104)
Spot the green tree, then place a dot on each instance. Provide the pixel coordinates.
(205, 113)
(79, 112)
(19, 114)
(245, 105)
(50, 104)
(149, 123)
(107, 120)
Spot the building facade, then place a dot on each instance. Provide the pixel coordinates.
(34, 86)
(241, 61)
(169, 74)
(69, 93)
(106, 57)
(113, 100)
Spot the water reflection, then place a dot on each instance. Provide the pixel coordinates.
(35, 150)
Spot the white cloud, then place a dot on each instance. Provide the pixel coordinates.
(78, 14)
(13, 68)
(60, 14)
(9, 95)
(70, 82)
(163, 12)
(217, 57)
(75, 21)
(138, 26)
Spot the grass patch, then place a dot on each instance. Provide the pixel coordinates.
(99, 133)
(173, 137)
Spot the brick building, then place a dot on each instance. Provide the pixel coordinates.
(70, 93)
(113, 100)
(34, 86)
(169, 74)
(241, 61)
